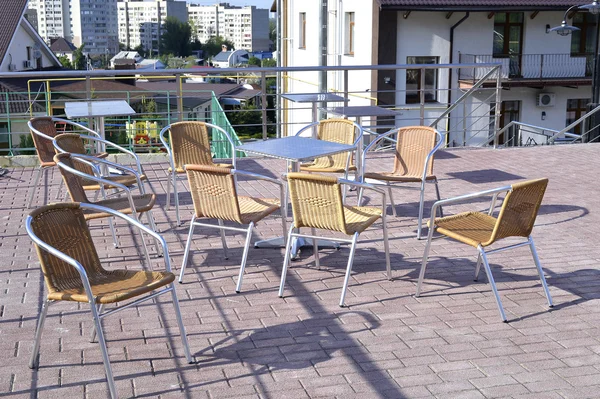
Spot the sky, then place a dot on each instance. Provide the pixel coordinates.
(257, 3)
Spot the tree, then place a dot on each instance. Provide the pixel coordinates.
(79, 59)
(253, 61)
(273, 31)
(214, 46)
(175, 37)
(140, 50)
(269, 63)
(65, 61)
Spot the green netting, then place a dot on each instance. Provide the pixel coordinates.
(220, 145)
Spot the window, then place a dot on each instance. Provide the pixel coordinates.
(349, 50)
(582, 41)
(414, 81)
(302, 32)
(508, 30)
(576, 108)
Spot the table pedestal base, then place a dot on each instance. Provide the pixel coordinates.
(298, 242)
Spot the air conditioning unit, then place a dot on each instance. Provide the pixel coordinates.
(27, 64)
(12, 67)
(545, 100)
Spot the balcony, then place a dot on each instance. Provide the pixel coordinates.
(521, 68)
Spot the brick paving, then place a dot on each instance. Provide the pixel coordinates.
(449, 343)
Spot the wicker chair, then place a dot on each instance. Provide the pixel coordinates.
(74, 144)
(43, 130)
(340, 131)
(214, 193)
(189, 144)
(73, 272)
(129, 204)
(317, 203)
(480, 230)
(413, 163)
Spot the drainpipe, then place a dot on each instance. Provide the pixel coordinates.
(323, 17)
(448, 123)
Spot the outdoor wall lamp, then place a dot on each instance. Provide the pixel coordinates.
(543, 115)
(565, 29)
(388, 80)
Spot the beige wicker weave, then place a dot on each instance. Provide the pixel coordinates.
(340, 131)
(214, 193)
(317, 204)
(73, 143)
(73, 272)
(43, 131)
(515, 219)
(130, 204)
(413, 162)
(189, 144)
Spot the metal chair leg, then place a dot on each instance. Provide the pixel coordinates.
(238, 288)
(421, 207)
(36, 181)
(93, 333)
(437, 193)
(348, 268)
(186, 252)
(169, 183)
(538, 266)
(186, 347)
(478, 267)
(424, 262)
(386, 246)
(286, 261)
(360, 196)
(176, 194)
(107, 367)
(223, 242)
(34, 361)
(488, 271)
(152, 224)
(111, 224)
(315, 249)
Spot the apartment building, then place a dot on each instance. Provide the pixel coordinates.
(89, 22)
(246, 27)
(140, 21)
(545, 78)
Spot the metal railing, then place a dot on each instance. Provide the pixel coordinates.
(531, 66)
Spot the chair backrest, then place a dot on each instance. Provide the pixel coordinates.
(73, 182)
(63, 227)
(73, 144)
(340, 131)
(519, 210)
(413, 145)
(190, 144)
(316, 201)
(213, 192)
(44, 147)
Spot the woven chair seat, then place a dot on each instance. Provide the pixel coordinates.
(111, 286)
(143, 203)
(254, 209)
(219, 165)
(391, 176)
(126, 180)
(471, 228)
(311, 167)
(359, 218)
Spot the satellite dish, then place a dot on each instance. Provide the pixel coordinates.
(36, 53)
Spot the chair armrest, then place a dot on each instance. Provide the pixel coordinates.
(433, 151)
(134, 223)
(368, 187)
(78, 125)
(103, 182)
(306, 128)
(62, 256)
(118, 147)
(96, 160)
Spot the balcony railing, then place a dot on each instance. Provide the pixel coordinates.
(530, 66)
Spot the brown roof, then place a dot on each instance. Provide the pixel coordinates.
(60, 44)
(18, 103)
(478, 5)
(12, 12)
(104, 89)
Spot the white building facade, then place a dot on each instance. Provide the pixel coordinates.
(89, 22)
(246, 27)
(140, 21)
(545, 78)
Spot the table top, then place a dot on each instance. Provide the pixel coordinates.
(84, 109)
(312, 97)
(361, 110)
(295, 149)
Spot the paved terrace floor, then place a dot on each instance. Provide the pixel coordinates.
(448, 343)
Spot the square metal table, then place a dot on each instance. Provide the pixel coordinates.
(295, 150)
(313, 98)
(98, 110)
